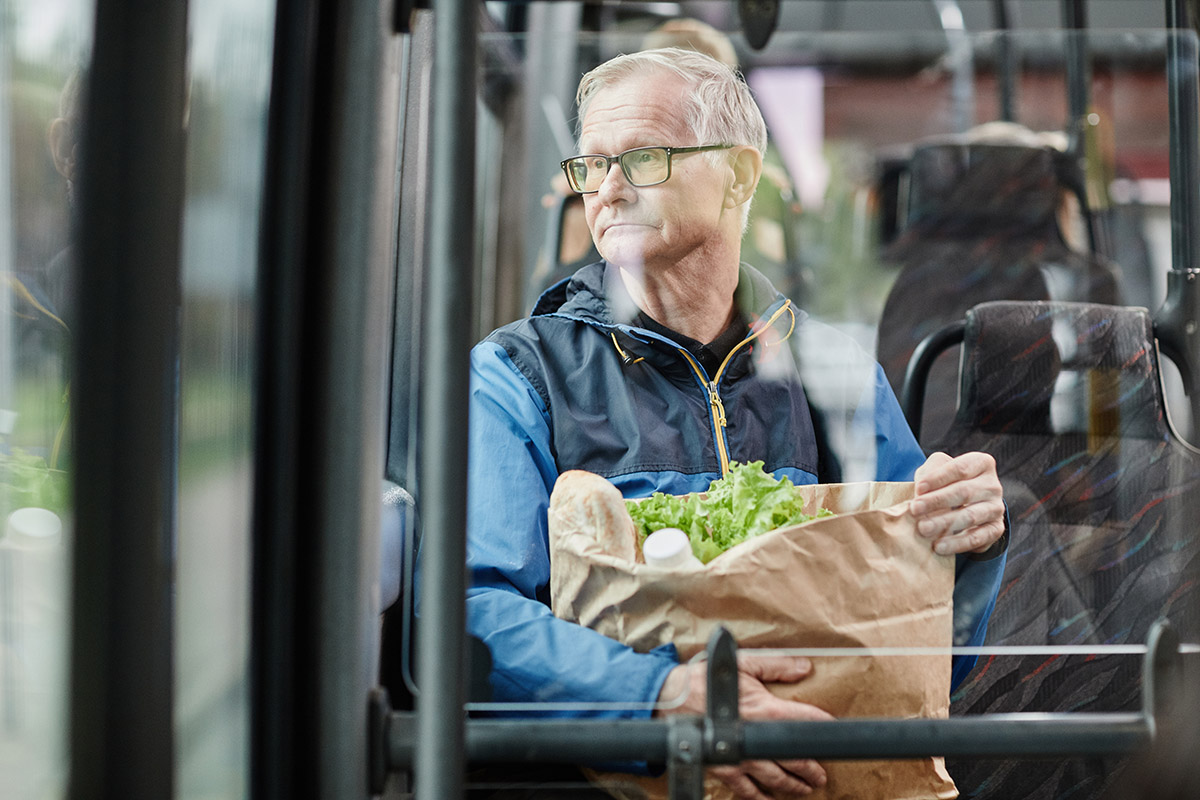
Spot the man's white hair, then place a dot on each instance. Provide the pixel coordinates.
(719, 107)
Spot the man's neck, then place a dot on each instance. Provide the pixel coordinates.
(700, 306)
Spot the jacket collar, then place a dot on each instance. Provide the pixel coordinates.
(596, 295)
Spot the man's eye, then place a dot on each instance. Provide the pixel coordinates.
(596, 163)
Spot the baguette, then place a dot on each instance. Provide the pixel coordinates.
(585, 502)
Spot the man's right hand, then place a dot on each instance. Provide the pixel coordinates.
(683, 692)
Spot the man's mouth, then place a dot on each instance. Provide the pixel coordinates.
(626, 224)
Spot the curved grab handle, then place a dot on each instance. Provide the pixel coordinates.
(912, 391)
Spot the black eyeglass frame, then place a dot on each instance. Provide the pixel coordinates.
(619, 158)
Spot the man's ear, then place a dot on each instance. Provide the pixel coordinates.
(62, 147)
(747, 168)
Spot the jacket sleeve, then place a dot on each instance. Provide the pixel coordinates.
(536, 657)
(976, 587)
(897, 454)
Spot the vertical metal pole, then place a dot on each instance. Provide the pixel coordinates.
(1078, 74)
(961, 58)
(348, 306)
(326, 273)
(442, 659)
(1175, 323)
(1006, 61)
(1079, 81)
(280, 666)
(124, 404)
(1182, 88)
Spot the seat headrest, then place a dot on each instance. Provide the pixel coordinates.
(1059, 367)
(973, 189)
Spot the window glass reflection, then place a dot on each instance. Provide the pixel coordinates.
(41, 83)
(230, 62)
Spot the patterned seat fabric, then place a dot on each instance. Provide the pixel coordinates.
(982, 226)
(1104, 506)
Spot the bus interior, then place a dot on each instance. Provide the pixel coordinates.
(248, 246)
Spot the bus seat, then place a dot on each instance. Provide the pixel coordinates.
(982, 224)
(395, 546)
(1103, 502)
(399, 540)
(397, 552)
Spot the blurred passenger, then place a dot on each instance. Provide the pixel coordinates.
(64, 134)
(38, 300)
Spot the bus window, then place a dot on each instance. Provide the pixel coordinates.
(1067, 210)
(41, 85)
(230, 70)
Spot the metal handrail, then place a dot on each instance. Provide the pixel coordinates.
(1175, 321)
(723, 737)
(445, 368)
(912, 391)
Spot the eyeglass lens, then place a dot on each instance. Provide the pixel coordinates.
(644, 166)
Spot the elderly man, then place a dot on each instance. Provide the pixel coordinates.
(658, 366)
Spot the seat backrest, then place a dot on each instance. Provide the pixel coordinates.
(396, 545)
(397, 561)
(1103, 501)
(982, 225)
(399, 546)
(1057, 369)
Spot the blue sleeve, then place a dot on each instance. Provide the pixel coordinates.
(976, 587)
(536, 657)
(976, 582)
(897, 454)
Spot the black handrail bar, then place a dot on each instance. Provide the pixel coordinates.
(1174, 322)
(126, 343)
(721, 738)
(1074, 16)
(912, 391)
(1015, 735)
(1006, 61)
(445, 368)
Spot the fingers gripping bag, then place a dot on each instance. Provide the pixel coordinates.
(859, 577)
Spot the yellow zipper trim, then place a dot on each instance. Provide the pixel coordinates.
(714, 397)
(787, 306)
(626, 359)
(716, 406)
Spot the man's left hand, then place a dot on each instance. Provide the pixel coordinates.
(959, 502)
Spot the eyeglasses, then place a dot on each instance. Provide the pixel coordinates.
(643, 166)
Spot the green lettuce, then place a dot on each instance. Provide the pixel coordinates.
(745, 503)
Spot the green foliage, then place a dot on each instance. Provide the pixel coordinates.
(745, 503)
(26, 480)
(841, 240)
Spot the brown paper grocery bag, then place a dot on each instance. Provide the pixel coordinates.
(863, 578)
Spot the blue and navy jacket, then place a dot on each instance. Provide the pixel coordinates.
(577, 386)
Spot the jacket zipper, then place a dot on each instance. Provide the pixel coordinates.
(716, 406)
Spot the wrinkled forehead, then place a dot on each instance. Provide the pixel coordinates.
(637, 111)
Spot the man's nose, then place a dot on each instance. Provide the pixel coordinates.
(615, 184)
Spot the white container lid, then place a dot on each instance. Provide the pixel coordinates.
(669, 547)
(33, 528)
